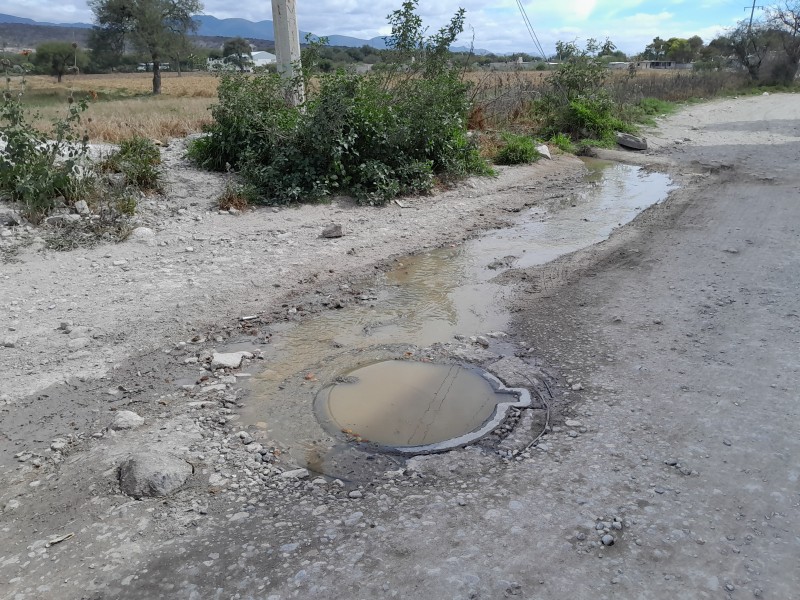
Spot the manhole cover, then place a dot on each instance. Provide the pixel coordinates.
(414, 407)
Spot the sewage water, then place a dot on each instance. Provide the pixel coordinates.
(429, 298)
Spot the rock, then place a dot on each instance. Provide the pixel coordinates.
(573, 423)
(58, 444)
(78, 343)
(126, 419)
(608, 540)
(355, 494)
(153, 474)
(82, 208)
(10, 342)
(332, 231)
(482, 341)
(353, 518)
(229, 360)
(671, 462)
(576, 387)
(143, 235)
(62, 219)
(544, 151)
(295, 474)
(631, 141)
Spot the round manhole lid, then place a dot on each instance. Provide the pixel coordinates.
(415, 407)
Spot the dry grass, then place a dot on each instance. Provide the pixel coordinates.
(188, 85)
(121, 106)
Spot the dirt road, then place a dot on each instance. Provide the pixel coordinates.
(674, 419)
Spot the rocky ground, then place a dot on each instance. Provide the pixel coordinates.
(666, 357)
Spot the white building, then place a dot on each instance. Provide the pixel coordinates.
(262, 58)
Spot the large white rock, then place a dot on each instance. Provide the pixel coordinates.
(153, 474)
(229, 360)
(544, 151)
(126, 419)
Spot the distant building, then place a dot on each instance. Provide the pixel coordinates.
(262, 58)
(662, 64)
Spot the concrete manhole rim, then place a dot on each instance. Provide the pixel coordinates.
(523, 400)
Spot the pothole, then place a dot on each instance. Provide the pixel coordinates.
(415, 407)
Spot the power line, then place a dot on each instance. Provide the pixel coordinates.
(530, 29)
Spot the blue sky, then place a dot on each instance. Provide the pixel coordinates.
(496, 25)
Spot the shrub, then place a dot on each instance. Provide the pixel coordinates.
(394, 131)
(138, 160)
(563, 142)
(35, 171)
(518, 149)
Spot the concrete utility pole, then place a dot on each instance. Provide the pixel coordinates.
(287, 46)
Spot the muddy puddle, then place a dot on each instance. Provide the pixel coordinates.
(425, 299)
(411, 407)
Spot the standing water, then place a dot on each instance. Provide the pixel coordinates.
(319, 383)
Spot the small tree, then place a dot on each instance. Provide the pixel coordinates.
(237, 51)
(154, 27)
(59, 58)
(785, 18)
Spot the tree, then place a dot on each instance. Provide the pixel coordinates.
(655, 51)
(679, 50)
(237, 51)
(60, 58)
(154, 27)
(785, 18)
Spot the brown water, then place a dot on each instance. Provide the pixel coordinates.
(411, 406)
(429, 298)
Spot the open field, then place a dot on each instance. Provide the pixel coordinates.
(121, 106)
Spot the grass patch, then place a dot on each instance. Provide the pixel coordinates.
(518, 150)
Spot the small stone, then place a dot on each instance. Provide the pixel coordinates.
(126, 419)
(295, 474)
(482, 341)
(143, 235)
(332, 231)
(577, 387)
(616, 525)
(671, 462)
(82, 208)
(573, 423)
(608, 540)
(659, 490)
(355, 494)
(229, 360)
(544, 151)
(10, 342)
(353, 518)
(730, 587)
(726, 442)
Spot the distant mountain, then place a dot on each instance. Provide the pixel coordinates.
(210, 26)
(24, 21)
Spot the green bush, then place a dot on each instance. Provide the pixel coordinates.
(37, 169)
(375, 136)
(138, 160)
(518, 149)
(563, 142)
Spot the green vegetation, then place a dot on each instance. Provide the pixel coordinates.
(396, 131)
(42, 172)
(518, 149)
(60, 58)
(37, 169)
(138, 160)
